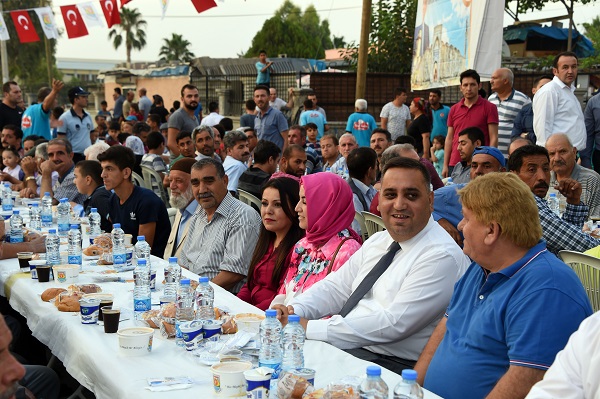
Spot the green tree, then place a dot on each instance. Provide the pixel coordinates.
(592, 31)
(391, 37)
(339, 42)
(176, 49)
(131, 30)
(292, 32)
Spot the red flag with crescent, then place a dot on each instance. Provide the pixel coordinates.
(123, 2)
(73, 22)
(24, 26)
(111, 12)
(203, 5)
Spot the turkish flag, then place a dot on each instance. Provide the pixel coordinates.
(24, 26)
(123, 2)
(203, 5)
(73, 22)
(111, 13)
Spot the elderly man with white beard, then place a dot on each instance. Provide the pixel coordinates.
(181, 198)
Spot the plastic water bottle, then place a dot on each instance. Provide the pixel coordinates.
(408, 388)
(553, 204)
(35, 220)
(46, 210)
(293, 344)
(94, 218)
(205, 297)
(7, 201)
(270, 354)
(63, 217)
(141, 289)
(52, 248)
(184, 308)
(74, 249)
(172, 274)
(118, 240)
(16, 227)
(373, 387)
(142, 249)
(449, 182)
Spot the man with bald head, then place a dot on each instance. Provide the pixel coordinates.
(347, 144)
(563, 165)
(518, 143)
(509, 102)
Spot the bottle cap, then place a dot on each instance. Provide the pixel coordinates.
(15, 212)
(409, 374)
(141, 238)
(203, 279)
(94, 210)
(52, 231)
(173, 259)
(117, 226)
(294, 318)
(374, 370)
(47, 193)
(141, 262)
(63, 200)
(35, 205)
(185, 281)
(553, 194)
(271, 313)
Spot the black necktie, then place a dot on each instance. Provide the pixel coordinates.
(370, 279)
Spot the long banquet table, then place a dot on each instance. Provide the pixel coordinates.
(92, 357)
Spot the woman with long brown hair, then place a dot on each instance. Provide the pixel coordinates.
(420, 127)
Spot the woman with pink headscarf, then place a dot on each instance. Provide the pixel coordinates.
(325, 211)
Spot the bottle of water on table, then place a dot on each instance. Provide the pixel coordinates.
(270, 354)
(293, 344)
(373, 387)
(16, 227)
(141, 289)
(35, 220)
(7, 200)
(142, 249)
(553, 203)
(74, 249)
(184, 308)
(52, 248)
(95, 219)
(118, 240)
(63, 217)
(205, 297)
(408, 388)
(46, 211)
(172, 275)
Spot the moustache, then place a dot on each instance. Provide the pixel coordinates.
(10, 391)
(203, 195)
(541, 185)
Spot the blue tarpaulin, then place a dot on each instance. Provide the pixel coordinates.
(582, 46)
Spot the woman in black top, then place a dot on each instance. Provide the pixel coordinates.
(420, 128)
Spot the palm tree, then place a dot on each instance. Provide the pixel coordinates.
(176, 49)
(131, 28)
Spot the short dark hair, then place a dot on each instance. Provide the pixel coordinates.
(291, 148)
(262, 87)
(43, 93)
(308, 104)
(220, 129)
(187, 87)
(381, 130)
(474, 133)
(436, 91)
(470, 73)
(399, 90)
(360, 160)
(154, 140)
(118, 90)
(98, 116)
(13, 150)
(264, 150)
(57, 112)
(122, 137)
(563, 54)
(140, 127)
(103, 102)
(333, 138)
(311, 125)
(408, 163)
(227, 123)
(406, 139)
(262, 52)
(64, 142)
(92, 169)
(6, 86)
(16, 129)
(515, 161)
(298, 127)
(251, 105)
(31, 137)
(181, 135)
(120, 155)
(233, 137)
(201, 164)
(213, 106)
(114, 125)
(154, 118)
(440, 138)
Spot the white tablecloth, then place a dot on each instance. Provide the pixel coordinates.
(92, 357)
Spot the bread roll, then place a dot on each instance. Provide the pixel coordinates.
(51, 293)
(93, 250)
(69, 304)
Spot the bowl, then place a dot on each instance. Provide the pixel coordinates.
(135, 341)
(249, 322)
(228, 378)
(66, 273)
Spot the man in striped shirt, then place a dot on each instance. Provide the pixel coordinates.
(509, 102)
(223, 231)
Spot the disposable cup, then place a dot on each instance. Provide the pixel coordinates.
(228, 378)
(111, 319)
(89, 308)
(258, 382)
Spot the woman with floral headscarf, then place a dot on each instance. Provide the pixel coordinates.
(325, 211)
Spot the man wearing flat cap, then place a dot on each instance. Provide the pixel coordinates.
(181, 198)
(76, 123)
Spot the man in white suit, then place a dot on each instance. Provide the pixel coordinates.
(181, 198)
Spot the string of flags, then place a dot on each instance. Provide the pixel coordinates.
(77, 18)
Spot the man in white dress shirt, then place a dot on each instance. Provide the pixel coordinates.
(394, 317)
(236, 145)
(555, 107)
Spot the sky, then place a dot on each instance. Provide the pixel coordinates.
(227, 30)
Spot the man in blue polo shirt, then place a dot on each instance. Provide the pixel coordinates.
(269, 124)
(76, 123)
(514, 308)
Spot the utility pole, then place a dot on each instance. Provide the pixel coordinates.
(570, 36)
(363, 50)
(4, 55)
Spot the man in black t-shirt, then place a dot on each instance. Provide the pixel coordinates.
(10, 112)
(137, 209)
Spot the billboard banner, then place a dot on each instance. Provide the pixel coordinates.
(452, 36)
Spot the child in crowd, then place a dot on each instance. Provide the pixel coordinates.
(11, 159)
(153, 159)
(437, 153)
(135, 111)
(311, 137)
(113, 133)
